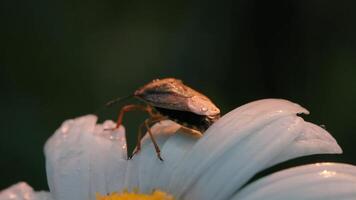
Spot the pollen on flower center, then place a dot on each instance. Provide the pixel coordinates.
(155, 195)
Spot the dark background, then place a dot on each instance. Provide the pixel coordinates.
(63, 59)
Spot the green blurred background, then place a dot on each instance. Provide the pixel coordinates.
(63, 59)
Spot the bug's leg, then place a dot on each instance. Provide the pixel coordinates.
(150, 122)
(158, 151)
(133, 107)
(191, 132)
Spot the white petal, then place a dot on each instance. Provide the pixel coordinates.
(82, 159)
(149, 164)
(22, 191)
(152, 172)
(43, 196)
(236, 147)
(312, 140)
(324, 181)
(176, 149)
(132, 177)
(231, 170)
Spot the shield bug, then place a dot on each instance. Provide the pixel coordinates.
(169, 98)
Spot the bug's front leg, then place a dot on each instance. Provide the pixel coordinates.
(133, 107)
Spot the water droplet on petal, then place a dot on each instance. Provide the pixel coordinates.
(12, 196)
(327, 173)
(108, 124)
(124, 146)
(323, 126)
(115, 135)
(64, 129)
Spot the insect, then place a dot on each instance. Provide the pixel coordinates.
(169, 98)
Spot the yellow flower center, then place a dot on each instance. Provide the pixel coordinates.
(125, 195)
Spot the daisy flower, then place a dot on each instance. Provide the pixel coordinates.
(85, 161)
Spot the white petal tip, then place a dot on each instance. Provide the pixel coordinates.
(315, 139)
(80, 151)
(22, 191)
(321, 181)
(18, 192)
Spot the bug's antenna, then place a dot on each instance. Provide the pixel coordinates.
(111, 102)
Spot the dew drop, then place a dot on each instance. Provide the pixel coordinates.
(12, 196)
(323, 126)
(115, 135)
(108, 124)
(124, 146)
(64, 129)
(204, 109)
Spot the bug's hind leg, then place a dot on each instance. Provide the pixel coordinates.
(158, 151)
(147, 124)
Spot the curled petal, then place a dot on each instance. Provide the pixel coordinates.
(321, 181)
(82, 158)
(22, 191)
(311, 140)
(241, 143)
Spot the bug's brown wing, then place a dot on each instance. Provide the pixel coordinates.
(172, 94)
